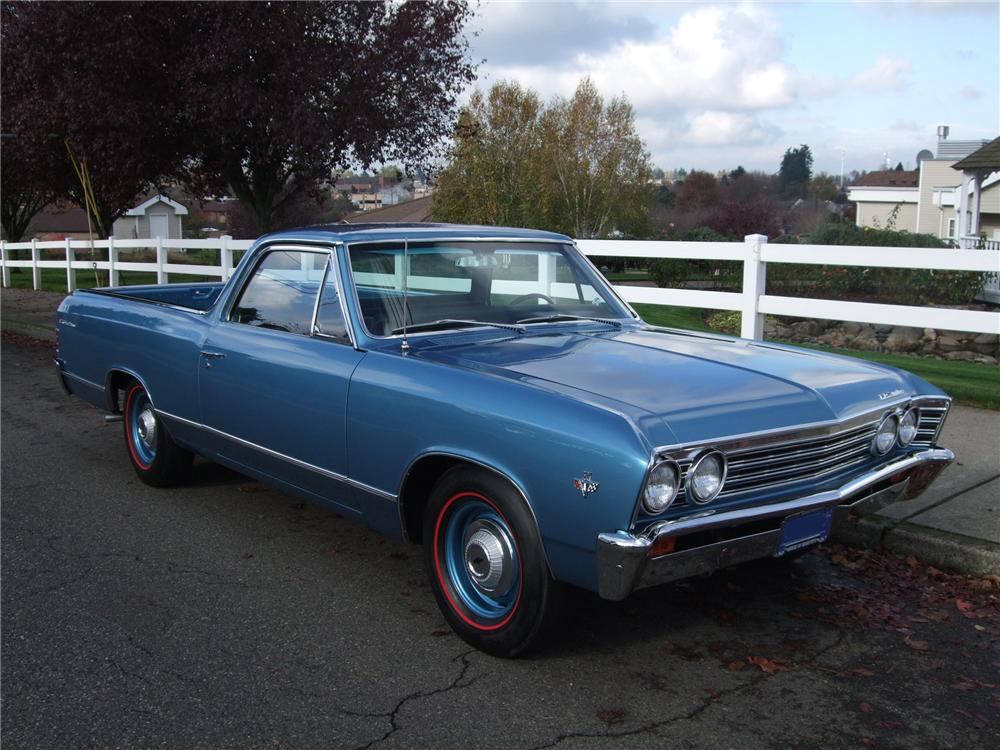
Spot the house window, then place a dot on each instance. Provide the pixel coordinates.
(951, 228)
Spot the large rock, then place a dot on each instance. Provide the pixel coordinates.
(903, 339)
(807, 328)
(853, 329)
(961, 356)
(948, 344)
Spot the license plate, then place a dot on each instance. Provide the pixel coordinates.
(805, 529)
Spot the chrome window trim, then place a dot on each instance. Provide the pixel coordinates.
(431, 238)
(611, 286)
(281, 456)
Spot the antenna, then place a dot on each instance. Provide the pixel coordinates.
(406, 285)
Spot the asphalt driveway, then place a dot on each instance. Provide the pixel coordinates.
(223, 614)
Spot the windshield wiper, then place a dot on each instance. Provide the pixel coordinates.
(563, 316)
(445, 323)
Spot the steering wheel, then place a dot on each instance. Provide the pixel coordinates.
(531, 296)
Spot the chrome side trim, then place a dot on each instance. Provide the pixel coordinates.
(68, 374)
(281, 456)
(110, 292)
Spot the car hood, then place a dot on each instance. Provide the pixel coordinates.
(702, 386)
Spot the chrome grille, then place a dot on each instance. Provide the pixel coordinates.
(931, 419)
(760, 468)
(758, 461)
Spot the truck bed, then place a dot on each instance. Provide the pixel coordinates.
(199, 296)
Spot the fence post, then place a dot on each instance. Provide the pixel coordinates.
(161, 275)
(754, 282)
(226, 257)
(4, 258)
(112, 262)
(70, 271)
(36, 272)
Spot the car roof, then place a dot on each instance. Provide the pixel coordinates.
(413, 231)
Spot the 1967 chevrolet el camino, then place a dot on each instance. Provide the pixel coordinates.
(486, 393)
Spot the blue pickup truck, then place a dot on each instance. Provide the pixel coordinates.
(484, 392)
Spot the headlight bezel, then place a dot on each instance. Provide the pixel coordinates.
(668, 463)
(915, 411)
(689, 479)
(894, 418)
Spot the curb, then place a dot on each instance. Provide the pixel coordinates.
(24, 328)
(942, 549)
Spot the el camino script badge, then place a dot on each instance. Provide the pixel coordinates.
(587, 484)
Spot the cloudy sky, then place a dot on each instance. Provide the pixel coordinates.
(720, 84)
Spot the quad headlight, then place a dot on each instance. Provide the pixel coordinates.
(885, 435)
(661, 487)
(908, 424)
(706, 476)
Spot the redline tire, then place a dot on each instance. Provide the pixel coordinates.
(486, 564)
(156, 458)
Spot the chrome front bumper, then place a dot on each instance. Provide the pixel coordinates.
(627, 561)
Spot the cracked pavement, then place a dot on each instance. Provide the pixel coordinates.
(222, 614)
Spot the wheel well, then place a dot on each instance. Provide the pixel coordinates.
(116, 382)
(420, 480)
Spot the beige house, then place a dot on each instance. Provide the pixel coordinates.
(929, 203)
(979, 195)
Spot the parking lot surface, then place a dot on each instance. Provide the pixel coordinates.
(224, 614)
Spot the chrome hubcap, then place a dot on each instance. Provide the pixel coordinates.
(489, 556)
(146, 425)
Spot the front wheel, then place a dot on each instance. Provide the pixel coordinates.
(486, 564)
(156, 458)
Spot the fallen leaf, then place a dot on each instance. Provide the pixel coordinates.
(611, 716)
(916, 645)
(735, 666)
(866, 708)
(862, 672)
(964, 607)
(771, 666)
(255, 487)
(867, 741)
(912, 562)
(839, 559)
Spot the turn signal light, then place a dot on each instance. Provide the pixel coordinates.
(663, 546)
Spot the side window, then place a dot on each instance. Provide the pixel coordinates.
(330, 317)
(281, 294)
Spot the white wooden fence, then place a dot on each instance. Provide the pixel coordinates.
(752, 302)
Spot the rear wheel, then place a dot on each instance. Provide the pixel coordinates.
(156, 458)
(486, 564)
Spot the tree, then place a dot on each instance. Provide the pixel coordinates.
(284, 94)
(492, 176)
(795, 172)
(899, 167)
(577, 166)
(594, 164)
(96, 76)
(699, 190)
(823, 187)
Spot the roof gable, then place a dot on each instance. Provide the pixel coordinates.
(141, 209)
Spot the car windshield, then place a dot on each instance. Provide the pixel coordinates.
(467, 282)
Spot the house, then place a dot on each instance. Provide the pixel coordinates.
(929, 203)
(415, 211)
(979, 196)
(59, 221)
(158, 216)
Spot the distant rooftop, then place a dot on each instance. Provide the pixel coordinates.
(889, 178)
(986, 157)
(958, 149)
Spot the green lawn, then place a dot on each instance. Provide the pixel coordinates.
(636, 275)
(969, 383)
(54, 279)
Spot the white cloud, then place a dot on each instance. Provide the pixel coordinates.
(727, 58)
(713, 128)
(886, 74)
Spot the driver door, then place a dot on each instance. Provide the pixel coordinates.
(274, 374)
